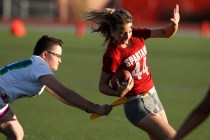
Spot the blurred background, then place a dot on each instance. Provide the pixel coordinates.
(67, 10)
(180, 65)
(194, 14)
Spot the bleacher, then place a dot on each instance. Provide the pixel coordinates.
(24, 9)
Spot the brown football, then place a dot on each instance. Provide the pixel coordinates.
(122, 76)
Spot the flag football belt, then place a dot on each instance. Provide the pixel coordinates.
(142, 95)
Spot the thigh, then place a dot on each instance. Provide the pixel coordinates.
(9, 125)
(148, 114)
(156, 126)
(138, 109)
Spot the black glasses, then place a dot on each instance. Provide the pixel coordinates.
(55, 54)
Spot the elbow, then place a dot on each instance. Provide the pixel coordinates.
(171, 34)
(170, 31)
(100, 88)
(168, 34)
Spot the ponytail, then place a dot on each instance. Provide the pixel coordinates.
(106, 20)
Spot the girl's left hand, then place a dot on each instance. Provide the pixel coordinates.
(176, 17)
(123, 89)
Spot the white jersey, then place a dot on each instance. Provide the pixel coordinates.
(20, 79)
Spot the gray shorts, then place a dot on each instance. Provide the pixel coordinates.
(139, 107)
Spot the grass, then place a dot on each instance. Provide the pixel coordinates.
(180, 69)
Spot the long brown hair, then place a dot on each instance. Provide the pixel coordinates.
(107, 19)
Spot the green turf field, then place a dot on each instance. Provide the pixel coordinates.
(180, 67)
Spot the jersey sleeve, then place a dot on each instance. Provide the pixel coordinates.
(40, 69)
(141, 33)
(110, 64)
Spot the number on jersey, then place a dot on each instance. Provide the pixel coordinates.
(137, 72)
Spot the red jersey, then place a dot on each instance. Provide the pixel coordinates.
(133, 59)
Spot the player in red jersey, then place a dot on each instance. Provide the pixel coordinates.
(195, 118)
(126, 50)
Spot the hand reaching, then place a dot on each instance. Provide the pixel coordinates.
(176, 17)
(103, 109)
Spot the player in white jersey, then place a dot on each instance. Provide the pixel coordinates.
(30, 78)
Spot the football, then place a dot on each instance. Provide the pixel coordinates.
(122, 76)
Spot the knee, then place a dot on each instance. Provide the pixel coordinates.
(14, 132)
(10, 126)
(18, 135)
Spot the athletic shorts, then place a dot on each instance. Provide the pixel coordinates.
(139, 107)
(4, 107)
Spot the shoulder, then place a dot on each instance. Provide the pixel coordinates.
(115, 52)
(40, 67)
(111, 49)
(37, 59)
(38, 62)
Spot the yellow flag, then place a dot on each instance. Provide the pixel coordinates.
(119, 101)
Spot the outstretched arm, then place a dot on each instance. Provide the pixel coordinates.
(197, 116)
(70, 97)
(170, 29)
(58, 97)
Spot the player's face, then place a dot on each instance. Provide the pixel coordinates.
(123, 33)
(53, 57)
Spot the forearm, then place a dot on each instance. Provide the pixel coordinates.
(171, 29)
(106, 89)
(67, 95)
(72, 98)
(59, 98)
(164, 32)
(82, 103)
(190, 123)
(198, 115)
